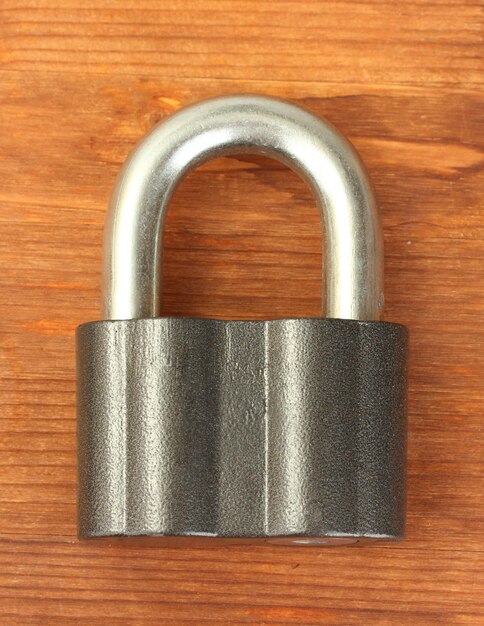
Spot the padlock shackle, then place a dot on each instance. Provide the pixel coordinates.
(352, 238)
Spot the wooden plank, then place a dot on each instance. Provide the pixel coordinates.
(79, 85)
(412, 43)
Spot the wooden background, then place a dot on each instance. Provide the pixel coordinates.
(80, 83)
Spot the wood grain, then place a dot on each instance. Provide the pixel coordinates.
(80, 83)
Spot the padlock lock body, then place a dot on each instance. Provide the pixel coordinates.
(289, 428)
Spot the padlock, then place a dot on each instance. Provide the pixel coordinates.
(288, 430)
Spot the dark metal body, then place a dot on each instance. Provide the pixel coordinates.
(291, 428)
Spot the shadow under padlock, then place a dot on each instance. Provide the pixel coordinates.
(289, 430)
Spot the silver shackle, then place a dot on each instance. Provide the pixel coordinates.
(352, 239)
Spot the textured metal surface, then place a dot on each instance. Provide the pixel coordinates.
(353, 247)
(268, 429)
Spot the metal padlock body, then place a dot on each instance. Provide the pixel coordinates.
(289, 429)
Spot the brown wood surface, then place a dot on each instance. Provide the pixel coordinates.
(80, 83)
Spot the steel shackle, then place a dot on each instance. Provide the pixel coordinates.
(287, 430)
(352, 250)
